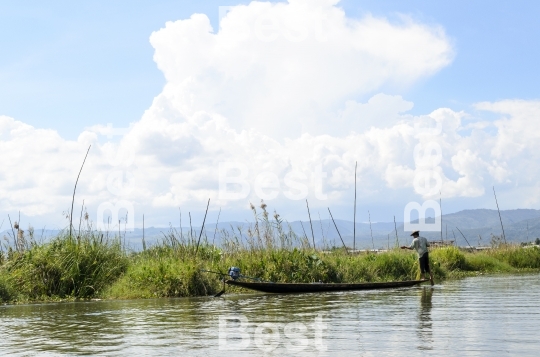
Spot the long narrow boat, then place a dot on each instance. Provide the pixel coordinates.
(268, 287)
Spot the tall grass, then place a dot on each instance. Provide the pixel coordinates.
(165, 271)
(6, 290)
(93, 266)
(504, 259)
(64, 268)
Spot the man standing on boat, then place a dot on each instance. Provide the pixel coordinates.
(420, 244)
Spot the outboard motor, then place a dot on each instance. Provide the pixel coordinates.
(234, 273)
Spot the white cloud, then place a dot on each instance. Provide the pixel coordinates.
(25, 174)
(289, 104)
(283, 69)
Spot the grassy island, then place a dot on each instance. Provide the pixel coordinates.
(90, 265)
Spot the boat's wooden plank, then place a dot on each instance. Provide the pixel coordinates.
(320, 287)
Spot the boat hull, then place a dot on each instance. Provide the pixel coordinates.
(281, 288)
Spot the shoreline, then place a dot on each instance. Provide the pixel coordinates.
(240, 291)
(90, 267)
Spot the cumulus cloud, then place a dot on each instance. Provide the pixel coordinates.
(292, 92)
(35, 164)
(39, 178)
(285, 69)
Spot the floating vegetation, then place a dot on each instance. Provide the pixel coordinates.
(94, 265)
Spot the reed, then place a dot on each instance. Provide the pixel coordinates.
(64, 268)
(7, 293)
(95, 266)
(504, 259)
(164, 271)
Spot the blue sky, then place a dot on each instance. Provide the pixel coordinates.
(496, 46)
(71, 68)
(68, 65)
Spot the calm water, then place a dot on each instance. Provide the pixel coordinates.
(485, 316)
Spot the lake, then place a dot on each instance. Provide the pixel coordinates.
(481, 316)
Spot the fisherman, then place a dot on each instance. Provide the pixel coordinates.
(420, 244)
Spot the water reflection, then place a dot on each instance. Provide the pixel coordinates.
(425, 324)
(494, 316)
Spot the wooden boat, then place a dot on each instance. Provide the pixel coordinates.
(281, 288)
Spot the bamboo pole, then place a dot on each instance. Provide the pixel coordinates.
(335, 225)
(440, 206)
(464, 237)
(215, 231)
(190, 229)
(143, 241)
(354, 218)
(202, 228)
(311, 224)
(500, 218)
(395, 227)
(74, 189)
(371, 230)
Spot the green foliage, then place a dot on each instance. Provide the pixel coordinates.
(487, 263)
(396, 265)
(163, 272)
(300, 265)
(282, 265)
(66, 267)
(90, 266)
(451, 258)
(6, 291)
(517, 257)
(504, 259)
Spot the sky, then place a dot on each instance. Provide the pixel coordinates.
(179, 100)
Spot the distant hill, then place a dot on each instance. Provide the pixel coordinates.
(520, 225)
(478, 225)
(477, 218)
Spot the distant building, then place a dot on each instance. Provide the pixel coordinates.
(440, 243)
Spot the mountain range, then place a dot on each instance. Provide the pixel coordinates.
(476, 226)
